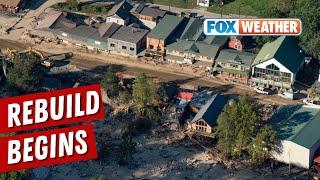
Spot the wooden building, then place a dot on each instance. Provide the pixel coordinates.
(207, 117)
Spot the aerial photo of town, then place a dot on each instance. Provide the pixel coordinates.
(179, 104)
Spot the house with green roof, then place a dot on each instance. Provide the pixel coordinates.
(234, 65)
(297, 129)
(278, 63)
(158, 38)
(192, 46)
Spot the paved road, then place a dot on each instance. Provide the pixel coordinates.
(200, 12)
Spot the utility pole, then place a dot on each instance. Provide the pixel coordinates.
(221, 6)
(239, 9)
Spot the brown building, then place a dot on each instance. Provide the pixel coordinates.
(207, 117)
(157, 39)
(149, 16)
(12, 6)
(236, 43)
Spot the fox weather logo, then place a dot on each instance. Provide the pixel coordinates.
(221, 27)
(257, 27)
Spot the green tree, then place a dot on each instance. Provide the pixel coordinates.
(16, 175)
(74, 5)
(308, 11)
(312, 90)
(25, 73)
(237, 127)
(110, 82)
(262, 145)
(145, 93)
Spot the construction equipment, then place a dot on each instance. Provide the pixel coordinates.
(10, 53)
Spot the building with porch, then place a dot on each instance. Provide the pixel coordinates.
(159, 37)
(192, 46)
(234, 65)
(277, 64)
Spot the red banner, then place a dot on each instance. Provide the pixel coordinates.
(53, 108)
(47, 148)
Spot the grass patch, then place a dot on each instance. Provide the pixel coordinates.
(247, 7)
(88, 9)
(176, 3)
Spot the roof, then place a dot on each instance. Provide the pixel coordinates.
(285, 50)
(193, 29)
(216, 40)
(197, 48)
(185, 96)
(153, 12)
(108, 29)
(82, 32)
(236, 57)
(129, 34)
(201, 98)
(10, 3)
(298, 124)
(211, 110)
(122, 10)
(165, 27)
(51, 18)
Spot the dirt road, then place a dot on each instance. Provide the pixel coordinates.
(97, 63)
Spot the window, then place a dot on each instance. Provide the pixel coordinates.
(124, 47)
(201, 126)
(131, 49)
(272, 67)
(112, 45)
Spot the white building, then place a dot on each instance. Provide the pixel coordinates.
(203, 3)
(120, 14)
(297, 130)
(277, 64)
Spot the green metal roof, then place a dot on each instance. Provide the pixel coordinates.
(285, 50)
(165, 27)
(236, 57)
(197, 48)
(193, 30)
(298, 124)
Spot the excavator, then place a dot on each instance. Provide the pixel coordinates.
(45, 60)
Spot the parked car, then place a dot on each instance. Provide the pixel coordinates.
(97, 19)
(311, 102)
(262, 90)
(287, 95)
